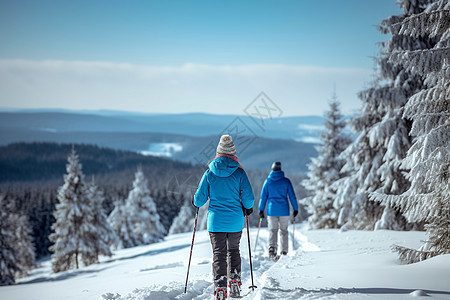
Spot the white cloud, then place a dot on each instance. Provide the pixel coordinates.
(297, 90)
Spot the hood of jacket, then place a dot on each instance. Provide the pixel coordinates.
(275, 175)
(223, 166)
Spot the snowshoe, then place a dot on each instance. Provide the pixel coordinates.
(277, 257)
(272, 252)
(220, 293)
(235, 288)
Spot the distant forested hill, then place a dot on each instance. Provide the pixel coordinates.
(30, 174)
(258, 154)
(287, 139)
(190, 124)
(46, 161)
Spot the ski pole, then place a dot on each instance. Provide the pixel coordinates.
(257, 234)
(293, 234)
(253, 286)
(192, 246)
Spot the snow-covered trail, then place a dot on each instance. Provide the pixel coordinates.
(326, 264)
(200, 284)
(348, 265)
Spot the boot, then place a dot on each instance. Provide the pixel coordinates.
(272, 252)
(220, 293)
(235, 286)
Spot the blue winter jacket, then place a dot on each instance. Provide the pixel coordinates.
(226, 184)
(275, 191)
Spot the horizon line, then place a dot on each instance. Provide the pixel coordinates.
(4, 109)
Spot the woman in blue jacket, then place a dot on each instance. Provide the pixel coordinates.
(230, 195)
(275, 192)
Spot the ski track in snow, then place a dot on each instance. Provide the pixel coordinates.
(267, 286)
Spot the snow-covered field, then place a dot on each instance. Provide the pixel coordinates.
(162, 149)
(326, 264)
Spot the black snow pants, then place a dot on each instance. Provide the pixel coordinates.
(226, 257)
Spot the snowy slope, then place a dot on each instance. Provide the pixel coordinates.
(326, 264)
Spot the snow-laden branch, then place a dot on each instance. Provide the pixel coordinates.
(422, 61)
(425, 24)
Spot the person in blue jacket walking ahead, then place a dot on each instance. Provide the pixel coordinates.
(275, 192)
(226, 185)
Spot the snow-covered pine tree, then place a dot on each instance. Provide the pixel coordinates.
(373, 160)
(168, 206)
(17, 253)
(362, 164)
(16, 247)
(202, 223)
(394, 128)
(428, 198)
(74, 224)
(104, 236)
(142, 211)
(183, 222)
(325, 169)
(8, 257)
(121, 224)
(24, 246)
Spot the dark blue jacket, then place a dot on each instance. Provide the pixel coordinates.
(225, 183)
(275, 193)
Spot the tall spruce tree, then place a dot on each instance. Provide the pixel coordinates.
(16, 248)
(74, 226)
(202, 223)
(8, 258)
(184, 220)
(104, 236)
(325, 169)
(142, 210)
(24, 247)
(373, 160)
(394, 129)
(121, 224)
(428, 198)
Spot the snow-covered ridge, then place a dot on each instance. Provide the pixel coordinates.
(311, 128)
(53, 130)
(162, 149)
(309, 139)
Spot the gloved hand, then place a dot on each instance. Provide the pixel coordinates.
(193, 203)
(248, 212)
(261, 214)
(295, 213)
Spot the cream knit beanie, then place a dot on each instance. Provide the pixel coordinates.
(226, 145)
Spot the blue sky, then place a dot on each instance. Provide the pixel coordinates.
(249, 46)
